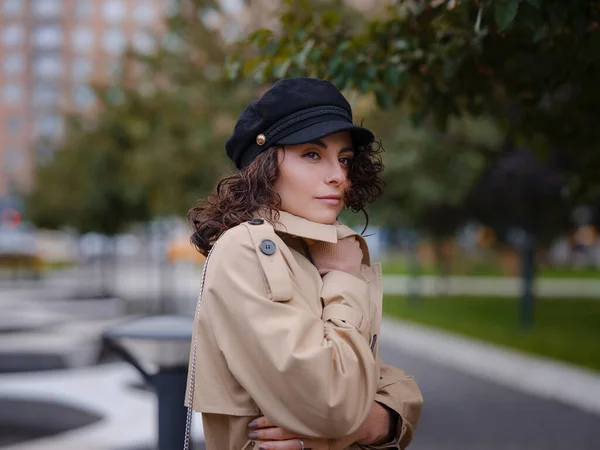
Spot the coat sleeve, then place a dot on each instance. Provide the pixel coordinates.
(314, 377)
(400, 393)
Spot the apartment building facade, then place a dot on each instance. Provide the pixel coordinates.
(50, 50)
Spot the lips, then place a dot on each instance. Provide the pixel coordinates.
(330, 197)
(331, 200)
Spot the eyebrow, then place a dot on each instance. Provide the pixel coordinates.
(322, 144)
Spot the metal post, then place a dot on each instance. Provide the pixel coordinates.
(528, 273)
(170, 390)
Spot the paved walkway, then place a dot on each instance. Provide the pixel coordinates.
(108, 390)
(478, 396)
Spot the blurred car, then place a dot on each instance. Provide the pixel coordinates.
(181, 250)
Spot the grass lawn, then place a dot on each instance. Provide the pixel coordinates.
(564, 329)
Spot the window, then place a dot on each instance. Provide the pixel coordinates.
(212, 19)
(12, 93)
(84, 9)
(12, 8)
(13, 35)
(82, 39)
(48, 66)
(113, 68)
(13, 64)
(114, 11)
(45, 93)
(144, 12)
(13, 124)
(49, 36)
(13, 158)
(143, 42)
(48, 125)
(82, 68)
(83, 95)
(44, 152)
(171, 7)
(232, 6)
(47, 8)
(114, 41)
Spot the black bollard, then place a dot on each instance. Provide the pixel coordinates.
(527, 280)
(162, 342)
(170, 387)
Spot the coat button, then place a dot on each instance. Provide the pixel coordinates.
(256, 221)
(268, 247)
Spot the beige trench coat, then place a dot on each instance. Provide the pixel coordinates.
(275, 338)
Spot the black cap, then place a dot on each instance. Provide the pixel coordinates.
(292, 111)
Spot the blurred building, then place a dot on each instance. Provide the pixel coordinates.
(50, 50)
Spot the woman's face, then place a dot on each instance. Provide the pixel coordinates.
(314, 176)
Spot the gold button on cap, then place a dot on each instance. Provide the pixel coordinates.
(261, 139)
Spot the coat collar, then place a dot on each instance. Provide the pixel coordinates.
(304, 228)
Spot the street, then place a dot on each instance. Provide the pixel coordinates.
(462, 412)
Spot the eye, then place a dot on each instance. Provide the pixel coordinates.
(346, 161)
(311, 155)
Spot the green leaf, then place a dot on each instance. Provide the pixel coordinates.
(535, 3)
(393, 76)
(272, 48)
(364, 85)
(330, 19)
(315, 55)
(334, 65)
(281, 70)
(400, 44)
(303, 54)
(384, 97)
(260, 37)
(505, 12)
(232, 69)
(371, 72)
(539, 35)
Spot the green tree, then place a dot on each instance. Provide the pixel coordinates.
(530, 66)
(86, 186)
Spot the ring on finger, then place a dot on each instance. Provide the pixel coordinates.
(302, 444)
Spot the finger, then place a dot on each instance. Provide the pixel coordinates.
(260, 422)
(272, 434)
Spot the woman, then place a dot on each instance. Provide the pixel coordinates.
(285, 346)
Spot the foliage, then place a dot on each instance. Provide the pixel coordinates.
(86, 186)
(429, 173)
(532, 65)
(519, 194)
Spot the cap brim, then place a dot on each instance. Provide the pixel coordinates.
(360, 135)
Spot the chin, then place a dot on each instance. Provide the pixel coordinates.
(324, 217)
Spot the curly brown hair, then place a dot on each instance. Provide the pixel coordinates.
(238, 197)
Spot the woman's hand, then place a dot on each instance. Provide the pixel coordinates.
(276, 438)
(345, 256)
(374, 430)
(379, 427)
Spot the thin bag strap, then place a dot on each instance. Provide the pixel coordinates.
(192, 368)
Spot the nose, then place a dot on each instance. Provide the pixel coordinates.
(336, 174)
